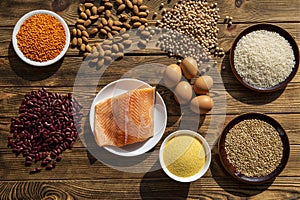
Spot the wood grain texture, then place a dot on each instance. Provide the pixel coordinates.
(226, 37)
(154, 188)
(17, 73)
(238, 100)
(79, 161)
(249, 11)
(81, 176)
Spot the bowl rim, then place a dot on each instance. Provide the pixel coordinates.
(282, 32)
(207, 151)
(229, 167)
(17, 28)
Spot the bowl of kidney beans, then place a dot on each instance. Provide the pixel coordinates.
(48, 124)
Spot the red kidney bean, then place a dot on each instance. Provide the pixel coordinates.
(49, 167)
(28, 158)
(53, 155)
(38, 169)
(44, 163)
(37, 157)
(58, 158)
(58, 151)
(32, 171)
(47, 122)
(28, 163)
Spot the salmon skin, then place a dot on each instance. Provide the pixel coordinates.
(125, 119)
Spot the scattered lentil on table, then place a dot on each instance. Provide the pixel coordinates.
(41, 37)
(254, 147)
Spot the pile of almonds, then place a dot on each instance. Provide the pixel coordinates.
(109, 50)
(191, 23)
(108, 20)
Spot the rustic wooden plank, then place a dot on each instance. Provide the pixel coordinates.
(97, 163)
(162, 188)
(249, 11)
(226, 37)
(16, 73)
(210, 127)
(236, 101)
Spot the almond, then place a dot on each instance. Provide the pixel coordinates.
(119, 2)
(136, 9)
(121, 7)
(83, 15)
(82, 47)
(136, 24)
(85, 33)
(94, 31)
(94, 10)
(74, 42)
(81, 7)
(87, 23)
(88, 5)
(117, 23)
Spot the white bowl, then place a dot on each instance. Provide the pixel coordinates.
(17, 28)
(207, 159)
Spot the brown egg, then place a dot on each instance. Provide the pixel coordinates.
(183, 92)
(203, 84)
(201, 104)
(172, 75)
(189, 67)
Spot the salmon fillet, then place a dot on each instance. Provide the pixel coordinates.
(125, 119)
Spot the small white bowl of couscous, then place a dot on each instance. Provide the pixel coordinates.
(41, 38)
(185, 156)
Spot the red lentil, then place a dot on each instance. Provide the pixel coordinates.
(41, 37)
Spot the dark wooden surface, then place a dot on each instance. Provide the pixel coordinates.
(81, 176)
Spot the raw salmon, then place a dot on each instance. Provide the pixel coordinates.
(125, 119)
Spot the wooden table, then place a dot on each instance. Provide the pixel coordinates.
(80, 176)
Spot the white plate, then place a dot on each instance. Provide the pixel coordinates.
(160, 116)
(17, 28)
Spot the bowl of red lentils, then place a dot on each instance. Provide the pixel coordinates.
(41, 38)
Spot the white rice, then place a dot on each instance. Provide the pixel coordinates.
(263, 58)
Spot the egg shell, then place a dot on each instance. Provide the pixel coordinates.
(201, 104)
(189, 67)
(172, 75)
(183, 92)
(203, 84)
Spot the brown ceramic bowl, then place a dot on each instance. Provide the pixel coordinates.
(283, 33)
(231, 169)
